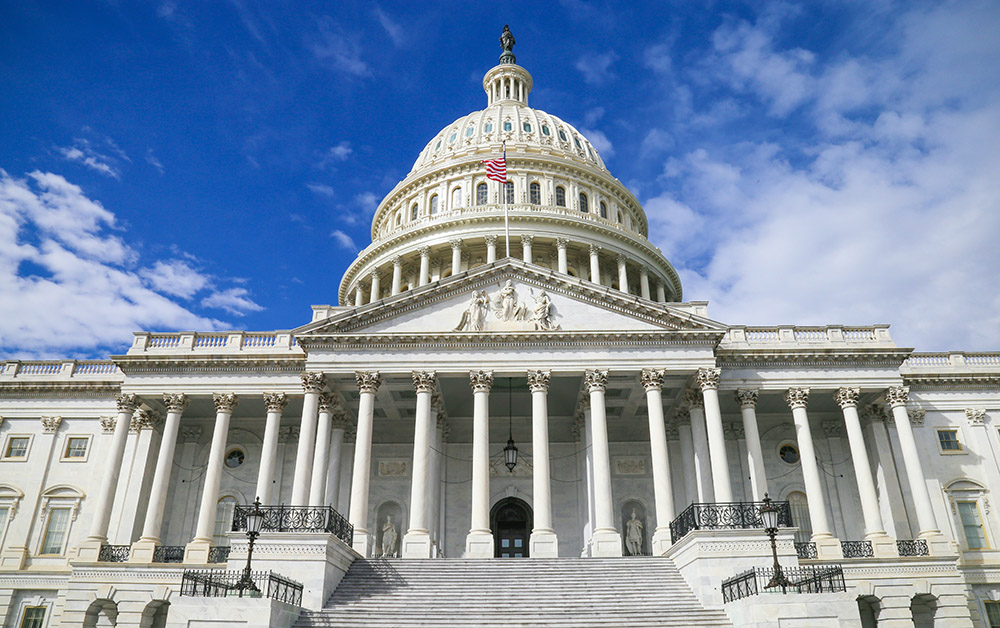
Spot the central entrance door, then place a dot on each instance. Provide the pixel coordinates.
(510, 520)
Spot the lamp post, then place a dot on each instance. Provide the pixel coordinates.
(769, 515)
(255, 521)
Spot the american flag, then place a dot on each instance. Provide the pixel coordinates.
(496, 169)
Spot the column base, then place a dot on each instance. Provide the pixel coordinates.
(362, 543)
(661, 541)
(543, 544)
(89, 551)
(142, 551)
(479, 544)
(417, 544)
(883, 545)
(938, 544)
(14, 558)
(828, 547)
(606, 544)
(197, 552)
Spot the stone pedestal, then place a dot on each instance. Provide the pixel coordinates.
(828, 547)
(816, 610)
(13, 558)
(191, 612)
(197, 552)
(142, 552)
(939, 545)
(479, 545)
(417, 544)
(543, 544)
(89, 551)
(661, 541)
(362, 543)
(883, 546)
(606, 544)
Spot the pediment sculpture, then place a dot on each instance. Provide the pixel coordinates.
(507, 310)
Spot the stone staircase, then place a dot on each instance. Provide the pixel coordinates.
(536, 592)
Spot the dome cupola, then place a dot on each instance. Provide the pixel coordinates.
(507, 83)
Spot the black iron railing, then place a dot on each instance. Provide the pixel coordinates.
(218, 554)
(298, 519)
(114, 553)
(800, 580)
(216, 583)
(857, 549)
(806, 550)
(725, 516)
(912, 548)
(168, 554)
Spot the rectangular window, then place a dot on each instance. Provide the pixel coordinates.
(4, 514)
(34, 617)
(76, 447)
(972, 523)
(993, 614)
(55, 531)
(17, 447)
(948, 440)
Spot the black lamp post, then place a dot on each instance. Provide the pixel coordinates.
(255, 521)
(510, 451)
(769, 514)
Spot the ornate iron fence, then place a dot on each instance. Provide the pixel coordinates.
(857, 549)
(725, 516)
(912, 548)
(218, 554)
(298, 519)
(806, 550)
(114, 553)
(800, 580)
(217, 583)
(168, 554)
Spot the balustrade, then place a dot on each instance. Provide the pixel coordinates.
(800, 580)
(297, 519)
(725, 516)
(216, 583)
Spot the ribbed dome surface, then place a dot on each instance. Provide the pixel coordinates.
(525, 130)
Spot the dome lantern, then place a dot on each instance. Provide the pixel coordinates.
(507, 82)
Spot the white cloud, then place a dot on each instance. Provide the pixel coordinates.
(335, 154)
(65, 282)
(233, 300)
(343, 240)
(600, 142)
(81, 152)
(321, 189)
(596, 69)
(175, 277)
(393, 29)
(340, 50)
(367, 201)
(153, 161)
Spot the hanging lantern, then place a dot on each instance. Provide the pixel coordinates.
(510, 455)
(510, 451)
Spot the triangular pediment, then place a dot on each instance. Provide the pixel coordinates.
(507, 297)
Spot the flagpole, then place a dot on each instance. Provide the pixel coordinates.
(503, 191)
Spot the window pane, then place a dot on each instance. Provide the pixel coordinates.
(434, 204)
(76, 448)
(34, 617)
(17, 447)
(55, 531)
(527, 127)
(561, 197)
(604, 210)
(993, 614)
(4, 511)
(509, 191)
(518, 542)
(507, 126)
(583, 203)
(456, 198)
(974, 535)
(481, 196)
(535, 194)
(949, 440)
(504, 542)
(413, 212)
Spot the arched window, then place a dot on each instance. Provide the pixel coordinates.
(508, 189)
(414, 212)
(604, 210)
(561, 196)
(527, 127)
(224, 510)
(583, 203)
(481, 194)
(507, 126)
(399, 218)
(456, 198)
(434, 205)
(535, 193)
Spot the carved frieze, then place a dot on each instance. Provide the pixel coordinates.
(975, 416)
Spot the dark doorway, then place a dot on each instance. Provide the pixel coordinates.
(510, 520)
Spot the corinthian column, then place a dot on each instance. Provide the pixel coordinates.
(526, 241)
(562, 262)
(491, 249)
(417, 540)
(425, 266)
(275, 404)
(652, 381)
(543, 542)
(321, 457)
(595, 264)
(312, 385)
(368, 383)
(479, 542)
(699, 439)
(397, 275)
(197, 549)
(376, 292)
(606, 540)
(622, 273)
(748, 408)
(456, 255)
(644, 282)
(142, 550)
(708, 380)
(896, 397)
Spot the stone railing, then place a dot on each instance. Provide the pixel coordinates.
(60, 369)
(146, 343)
(951, 362)
(740, 337)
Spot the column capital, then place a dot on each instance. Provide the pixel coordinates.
(127, 402)
(108, 424)
(373, 275)
(275, 401)
(621, 258)
(326, 402)
(594, 249)
(652, 379)
(456, 243)
(191, 434)
(538, 381)
(747, 397)
(368, 381)
(562, 243)
(527, 239)
(897, 396)
(708, 378)
(644, 271)
(491, 240)
(425, 251)
(596, 379)
(398, 261)
(312, 382)
(144, 419)
(424, 381)
(797, 397)
(847, 397)
(225, 402)
(50, 424)
(832, 429)
(693, 398)
(481, 381)
(175, 402)
(874, 412)
(975, 416)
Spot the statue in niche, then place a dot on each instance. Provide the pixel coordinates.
(542, 313)
(506, 306)
(633, 535)
(474, 316)
(389, 538)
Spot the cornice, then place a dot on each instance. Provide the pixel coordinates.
(963, 381)
(851, 357)
(505, 340)
(60, 389)
(212, 363)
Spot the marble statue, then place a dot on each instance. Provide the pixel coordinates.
(389, 538)
(633, 535)
(542, 313)
(506, 305)
(507, 39)
(474, 316)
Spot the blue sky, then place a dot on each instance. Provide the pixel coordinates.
(215, 165)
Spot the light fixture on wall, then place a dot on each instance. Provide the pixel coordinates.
(510, 451)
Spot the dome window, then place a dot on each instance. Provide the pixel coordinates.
(562, 135)
(578, 146)
(434, 205)
(507, 126)
(535, 193)
(481, 194)
(561, 196)
(414, 211)
(590, 152)
(456, 198)
(604, 210)
(545, 130)
(454, 136)
(438, 145)
(527, 127)
(508, 192)
(469, 131)
(488, 128)
(583, 203)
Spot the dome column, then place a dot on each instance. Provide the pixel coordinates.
(456, 256)
(622, 274)
(526, 241)
(661, 294)
(491, 249)
(644, 282)
(425, 266)
(563, 263)
(595, 264)
(359, 295)
(397, 274)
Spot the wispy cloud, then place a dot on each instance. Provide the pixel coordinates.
(321, 189)
(343, 240)
(600, 142)
(236, 301)
(338, 49)
(597, 69)
(152, 160)
(82, 151)
(176, 278)
(392, 28)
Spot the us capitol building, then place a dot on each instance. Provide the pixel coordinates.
(484, 406)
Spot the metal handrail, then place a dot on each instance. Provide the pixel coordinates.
(800, 580)
(216, 583)
(725, 516)
(298, 519)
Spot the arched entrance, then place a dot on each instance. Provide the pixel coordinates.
(510, 520)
